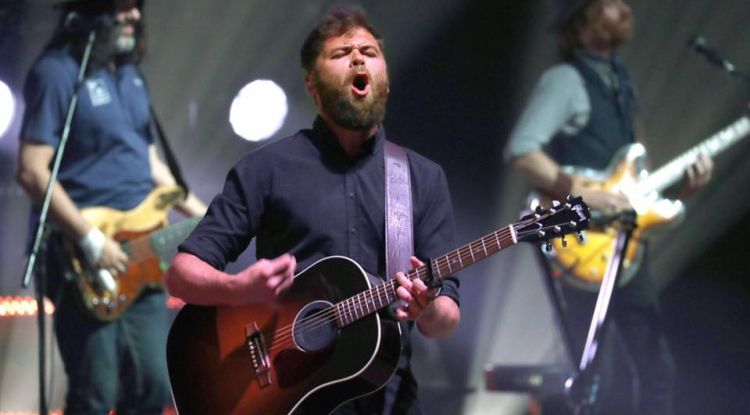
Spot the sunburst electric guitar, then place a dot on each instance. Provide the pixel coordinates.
(326, 341)
(583, 263)
(146, 239)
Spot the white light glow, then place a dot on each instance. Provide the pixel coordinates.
(7, 108)
(258, 110)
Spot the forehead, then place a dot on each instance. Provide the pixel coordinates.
(356, 36)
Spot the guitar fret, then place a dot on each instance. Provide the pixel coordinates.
(339, 318)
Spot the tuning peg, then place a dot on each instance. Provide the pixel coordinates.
(557, 229)
(541, 234)
(579, 235)
(564, 242)
(569, 198)
(548, 246)
(556, 203)
(573, 224)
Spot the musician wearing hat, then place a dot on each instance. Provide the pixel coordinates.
(110, 161)
(582, 111)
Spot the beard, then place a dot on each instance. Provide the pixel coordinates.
(348, 111)
(617, 33)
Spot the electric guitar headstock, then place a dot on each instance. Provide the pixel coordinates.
(560, 219)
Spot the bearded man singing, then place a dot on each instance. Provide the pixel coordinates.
(319, 193)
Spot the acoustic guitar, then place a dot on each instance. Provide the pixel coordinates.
(146, 239)
(327, 341)
(583, 263)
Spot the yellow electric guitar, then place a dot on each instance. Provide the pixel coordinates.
(583, 263)
(146, 239)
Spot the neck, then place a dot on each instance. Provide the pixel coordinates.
(352, 141)
(605, 51)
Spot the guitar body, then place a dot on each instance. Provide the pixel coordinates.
(131, 229)
(211, 367)
(583, 264)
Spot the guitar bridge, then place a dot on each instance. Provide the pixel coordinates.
(258, 354)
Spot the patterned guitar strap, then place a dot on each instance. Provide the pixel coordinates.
(399, 245)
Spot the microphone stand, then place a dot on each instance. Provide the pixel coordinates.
(582, 388)
(41, 284)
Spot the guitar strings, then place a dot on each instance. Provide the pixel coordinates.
(328, 315)
(354, 305)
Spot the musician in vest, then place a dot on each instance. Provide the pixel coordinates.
(316, 194)
(582, 111)
(110, 162)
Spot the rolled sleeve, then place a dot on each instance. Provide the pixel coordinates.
(558, 103)
(230, 222)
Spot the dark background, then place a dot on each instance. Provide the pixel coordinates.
(460, 73)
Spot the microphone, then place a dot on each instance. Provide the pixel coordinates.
(700, 44)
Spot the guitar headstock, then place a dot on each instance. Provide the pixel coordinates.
(571, 216)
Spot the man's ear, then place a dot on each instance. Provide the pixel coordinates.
(309, 84)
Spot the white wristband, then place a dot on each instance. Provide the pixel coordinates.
(92, 244)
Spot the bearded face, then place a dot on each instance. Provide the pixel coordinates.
(348, 109)
(350, 81)
(612, 22)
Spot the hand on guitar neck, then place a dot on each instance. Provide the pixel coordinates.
(697, 175)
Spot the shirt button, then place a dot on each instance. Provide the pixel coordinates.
(351, 195)
(354, 231)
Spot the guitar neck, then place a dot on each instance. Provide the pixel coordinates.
(382, 295)
(673, 171)
(160, 243)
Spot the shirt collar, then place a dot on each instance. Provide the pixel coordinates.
(326, 140)
(604, 67)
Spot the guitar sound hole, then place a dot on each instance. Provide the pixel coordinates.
(315, 326)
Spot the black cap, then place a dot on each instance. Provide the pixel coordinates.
(92, 6)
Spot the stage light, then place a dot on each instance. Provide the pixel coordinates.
(258, 110)
(7, 108)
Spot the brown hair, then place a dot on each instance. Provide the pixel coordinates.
(569, 29)
(338, 20)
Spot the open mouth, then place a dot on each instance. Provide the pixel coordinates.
(361, 84)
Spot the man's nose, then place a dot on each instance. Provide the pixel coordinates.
(357, 58)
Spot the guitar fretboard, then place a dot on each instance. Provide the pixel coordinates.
(160, 243)
(673, 171)
(382, 295)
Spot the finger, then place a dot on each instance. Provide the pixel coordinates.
(404, 295)
(690, 172)
(402, 313)
(403, 281)
(280, 265)
(415, 262)
(283, 287)
(418, 286)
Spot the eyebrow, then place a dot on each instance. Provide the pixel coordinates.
(352, 47)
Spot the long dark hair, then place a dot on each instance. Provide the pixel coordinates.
(78, 18)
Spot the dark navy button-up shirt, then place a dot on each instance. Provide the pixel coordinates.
(305, 196)
(106, 162)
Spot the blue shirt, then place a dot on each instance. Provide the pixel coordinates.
(106, 161)
(305, 196)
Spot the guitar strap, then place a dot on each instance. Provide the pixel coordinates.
(169, 157)
(399, 244)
